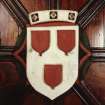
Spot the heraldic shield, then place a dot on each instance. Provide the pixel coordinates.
(52, 52)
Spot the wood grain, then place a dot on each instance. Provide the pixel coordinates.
(8, 28)
(95, 30)
(72, 4)
(35, 5)
(72, 99)
(95, 81)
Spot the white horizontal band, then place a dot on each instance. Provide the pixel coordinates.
(53, 15)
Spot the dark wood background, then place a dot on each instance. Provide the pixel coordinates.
(14, 88)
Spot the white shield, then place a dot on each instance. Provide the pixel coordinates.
(52, 59)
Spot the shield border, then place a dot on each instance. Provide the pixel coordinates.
(38, 86)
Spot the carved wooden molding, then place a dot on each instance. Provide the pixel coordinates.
(98, 55)
(86, 96)
(89, 12)
(17, 11)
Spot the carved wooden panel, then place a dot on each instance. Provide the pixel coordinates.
(14, 87)
(9, 30)
(95, 30)
(95, 80)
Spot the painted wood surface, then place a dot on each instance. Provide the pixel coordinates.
(94, 79)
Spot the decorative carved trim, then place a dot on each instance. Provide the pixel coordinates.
(6, 48)
(89, 12)
(86, 96)
(17, 11)
(20, 15)
(98, 55)
(87, 4)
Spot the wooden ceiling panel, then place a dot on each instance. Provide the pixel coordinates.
(8, 28)
(34, 5)
(95, 80)
(95, 30)
(73, 4)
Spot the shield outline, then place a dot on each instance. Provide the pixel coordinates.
(36, 83)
